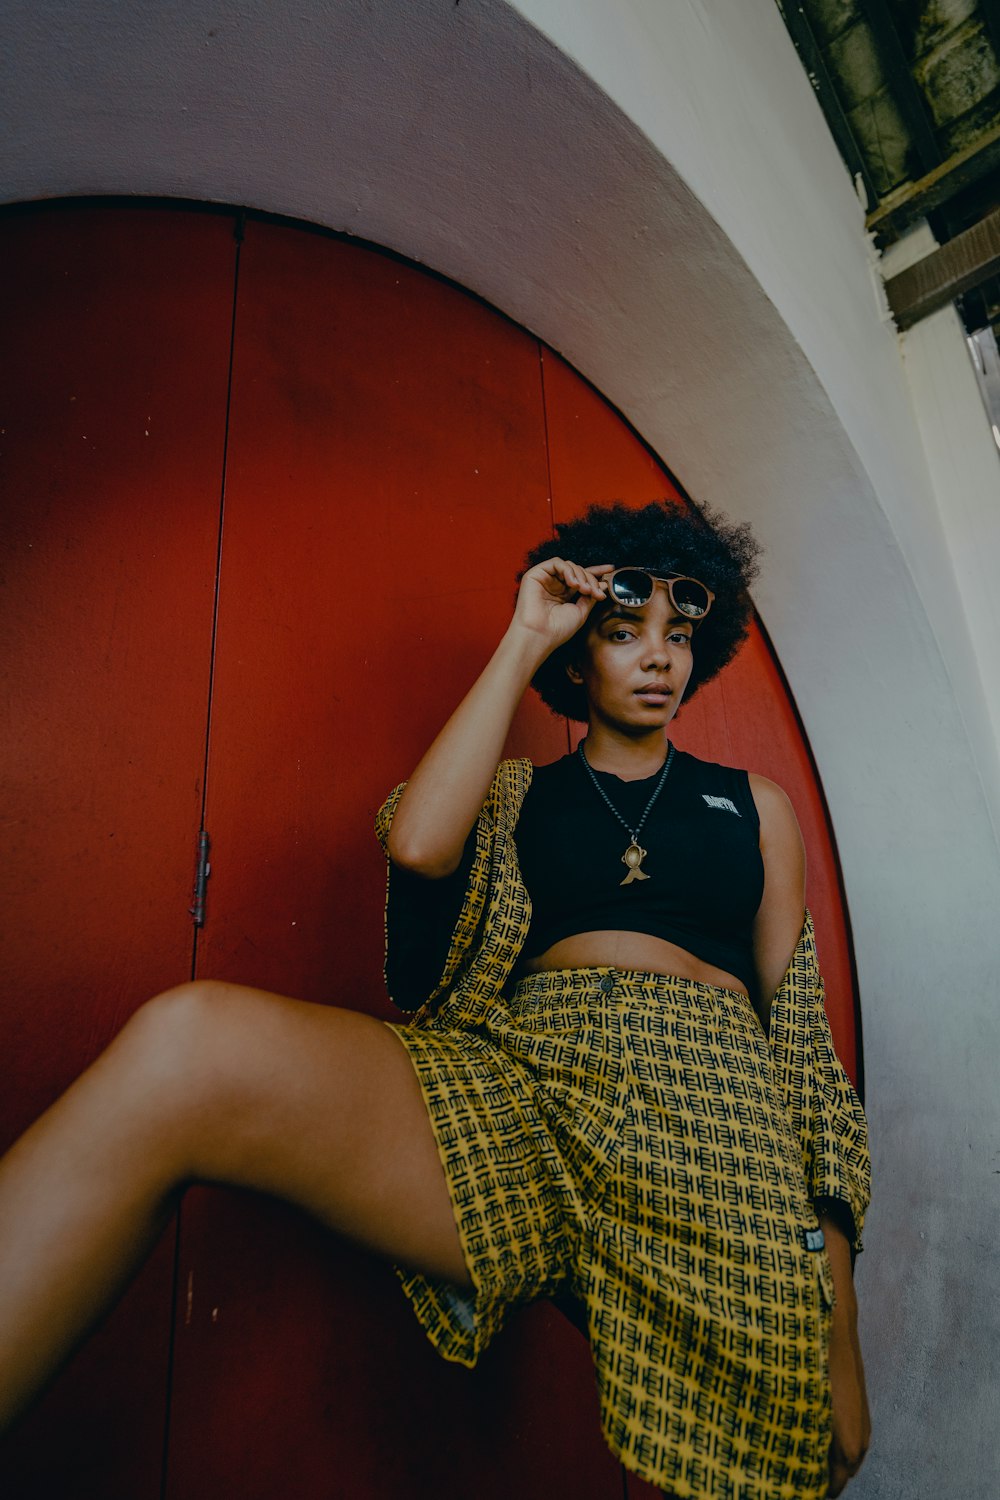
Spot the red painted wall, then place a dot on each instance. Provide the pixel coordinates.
(115, 336)
(386, 448)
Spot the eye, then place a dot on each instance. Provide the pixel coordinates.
(679, 637)
(623, 633)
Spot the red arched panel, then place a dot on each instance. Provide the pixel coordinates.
(390, 447)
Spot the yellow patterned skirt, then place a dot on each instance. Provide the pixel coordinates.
(619, 1136)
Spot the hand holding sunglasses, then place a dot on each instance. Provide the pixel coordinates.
(556, 596)
(567, 592)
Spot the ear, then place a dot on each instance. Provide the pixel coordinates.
(573, 673)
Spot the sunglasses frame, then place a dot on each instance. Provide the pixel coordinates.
(669, 579)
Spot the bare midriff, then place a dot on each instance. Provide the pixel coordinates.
(629, 950)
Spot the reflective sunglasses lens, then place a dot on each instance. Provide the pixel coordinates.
(632, 586)
(690, 597)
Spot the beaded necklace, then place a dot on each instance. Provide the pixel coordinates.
(634, 854)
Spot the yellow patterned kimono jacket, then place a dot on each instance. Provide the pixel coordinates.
(693, 1451)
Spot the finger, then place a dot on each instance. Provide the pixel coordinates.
(548, 566)
(554, 575)
(560, 576)
(586, 582)
(578, 577)
(552, 567)
(591, 590)
(597, 582)
(573, 575)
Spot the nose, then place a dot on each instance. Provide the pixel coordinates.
(656, 658)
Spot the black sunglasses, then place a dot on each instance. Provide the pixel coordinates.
(634, 587)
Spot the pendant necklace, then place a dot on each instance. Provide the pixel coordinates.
(634, 854)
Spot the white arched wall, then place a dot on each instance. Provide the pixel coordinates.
(651, 188)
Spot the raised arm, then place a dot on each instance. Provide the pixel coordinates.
(446, 791)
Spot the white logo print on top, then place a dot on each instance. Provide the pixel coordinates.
(721, 802)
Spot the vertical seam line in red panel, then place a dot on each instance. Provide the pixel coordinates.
(238, 234)
(548, 484)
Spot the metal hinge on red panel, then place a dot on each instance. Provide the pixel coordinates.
(202, 873)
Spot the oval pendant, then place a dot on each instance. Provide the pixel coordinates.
(633, 857)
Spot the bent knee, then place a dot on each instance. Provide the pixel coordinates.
(183, 1033)
(185, 1054)
(182, 1014)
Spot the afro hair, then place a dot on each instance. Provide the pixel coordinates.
(666, 537)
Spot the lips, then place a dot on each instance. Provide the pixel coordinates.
(654, 690)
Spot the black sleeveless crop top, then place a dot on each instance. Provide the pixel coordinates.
(706, 872)
(706, 875)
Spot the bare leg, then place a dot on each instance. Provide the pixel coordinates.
(213, 1083)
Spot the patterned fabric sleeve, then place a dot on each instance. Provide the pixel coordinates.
(420, 920)
(466, 926)
(824, 1108)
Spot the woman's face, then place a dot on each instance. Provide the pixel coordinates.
(635, 664)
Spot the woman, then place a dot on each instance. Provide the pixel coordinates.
(585, 1104)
